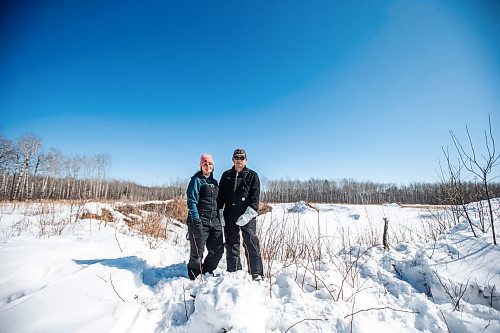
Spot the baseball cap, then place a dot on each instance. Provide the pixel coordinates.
(239, 152)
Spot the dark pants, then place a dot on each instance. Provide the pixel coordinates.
(203, 234)
(250, 243)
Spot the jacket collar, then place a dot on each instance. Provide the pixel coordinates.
(245, 170)
(199, 174)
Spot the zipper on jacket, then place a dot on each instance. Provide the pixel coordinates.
(234, 188)
(235, 182)
(211, 200)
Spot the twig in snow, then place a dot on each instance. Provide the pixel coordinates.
(300, 321)
(112, 285)
(444, 319)
(456, 294)
(100, 277)
(352, 311)
(486, 327)
(382, 308)
(185, 306)
(116, 237)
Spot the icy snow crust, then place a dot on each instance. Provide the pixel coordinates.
(103, 277)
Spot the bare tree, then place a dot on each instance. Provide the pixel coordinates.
(52, 170)
(28, 146)
(26, 172)
(480, 166)
(7, 162)
(456, 197)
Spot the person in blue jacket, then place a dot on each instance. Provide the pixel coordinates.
(204, 226)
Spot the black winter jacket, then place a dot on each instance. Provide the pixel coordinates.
(237, 191)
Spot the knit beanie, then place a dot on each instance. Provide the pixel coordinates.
(206, 158)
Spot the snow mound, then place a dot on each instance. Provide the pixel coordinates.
(302, 207)
(393, 205)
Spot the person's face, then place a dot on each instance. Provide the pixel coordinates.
(239, 161)
(207, 168)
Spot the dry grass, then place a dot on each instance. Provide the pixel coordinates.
(427, 207)
(128, 209)
(153, 207)
(105, 216)
(152, 229)
(177, 209)
(87, 215)
(264, 208)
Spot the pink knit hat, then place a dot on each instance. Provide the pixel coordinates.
(206, 158)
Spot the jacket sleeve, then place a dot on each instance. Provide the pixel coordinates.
(254, 193)
(193, 195)
(220, 197)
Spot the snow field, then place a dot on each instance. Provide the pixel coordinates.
(91, 276)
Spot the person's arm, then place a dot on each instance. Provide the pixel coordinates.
(253, 202)
(220, 201)
(193, 195)
(220, 197)
(254, 193)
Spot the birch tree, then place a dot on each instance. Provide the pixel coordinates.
(28, 146)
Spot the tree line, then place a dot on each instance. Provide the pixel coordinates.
(29, 173)
(349, 191)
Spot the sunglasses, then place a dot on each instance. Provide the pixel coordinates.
(239, 157)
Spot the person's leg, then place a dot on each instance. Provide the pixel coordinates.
(197, 244)
(232, 235)
(215, 247)
(252, 248)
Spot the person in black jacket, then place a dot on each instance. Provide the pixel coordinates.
(238, 203)
(203, 222)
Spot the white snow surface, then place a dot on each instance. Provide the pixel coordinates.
(91, 276)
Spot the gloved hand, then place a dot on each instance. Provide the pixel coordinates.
(221, 217)
(249, 214)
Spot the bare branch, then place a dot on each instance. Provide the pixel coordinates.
(301, 321)
(381, 308)
(112, 285)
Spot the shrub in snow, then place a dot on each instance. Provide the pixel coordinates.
(178, 210)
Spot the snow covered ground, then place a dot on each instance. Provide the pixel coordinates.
(62, 275)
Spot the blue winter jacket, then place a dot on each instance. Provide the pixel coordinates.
(202, 196)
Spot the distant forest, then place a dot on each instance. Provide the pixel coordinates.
(28, 173)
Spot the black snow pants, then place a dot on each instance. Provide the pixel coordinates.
(250, 243)
(204, 232)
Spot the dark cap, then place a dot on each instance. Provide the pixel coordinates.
(239, 152)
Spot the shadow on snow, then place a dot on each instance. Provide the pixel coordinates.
(150, 276)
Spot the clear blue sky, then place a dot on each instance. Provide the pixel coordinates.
(324, 89)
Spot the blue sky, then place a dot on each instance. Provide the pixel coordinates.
(327, 89)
